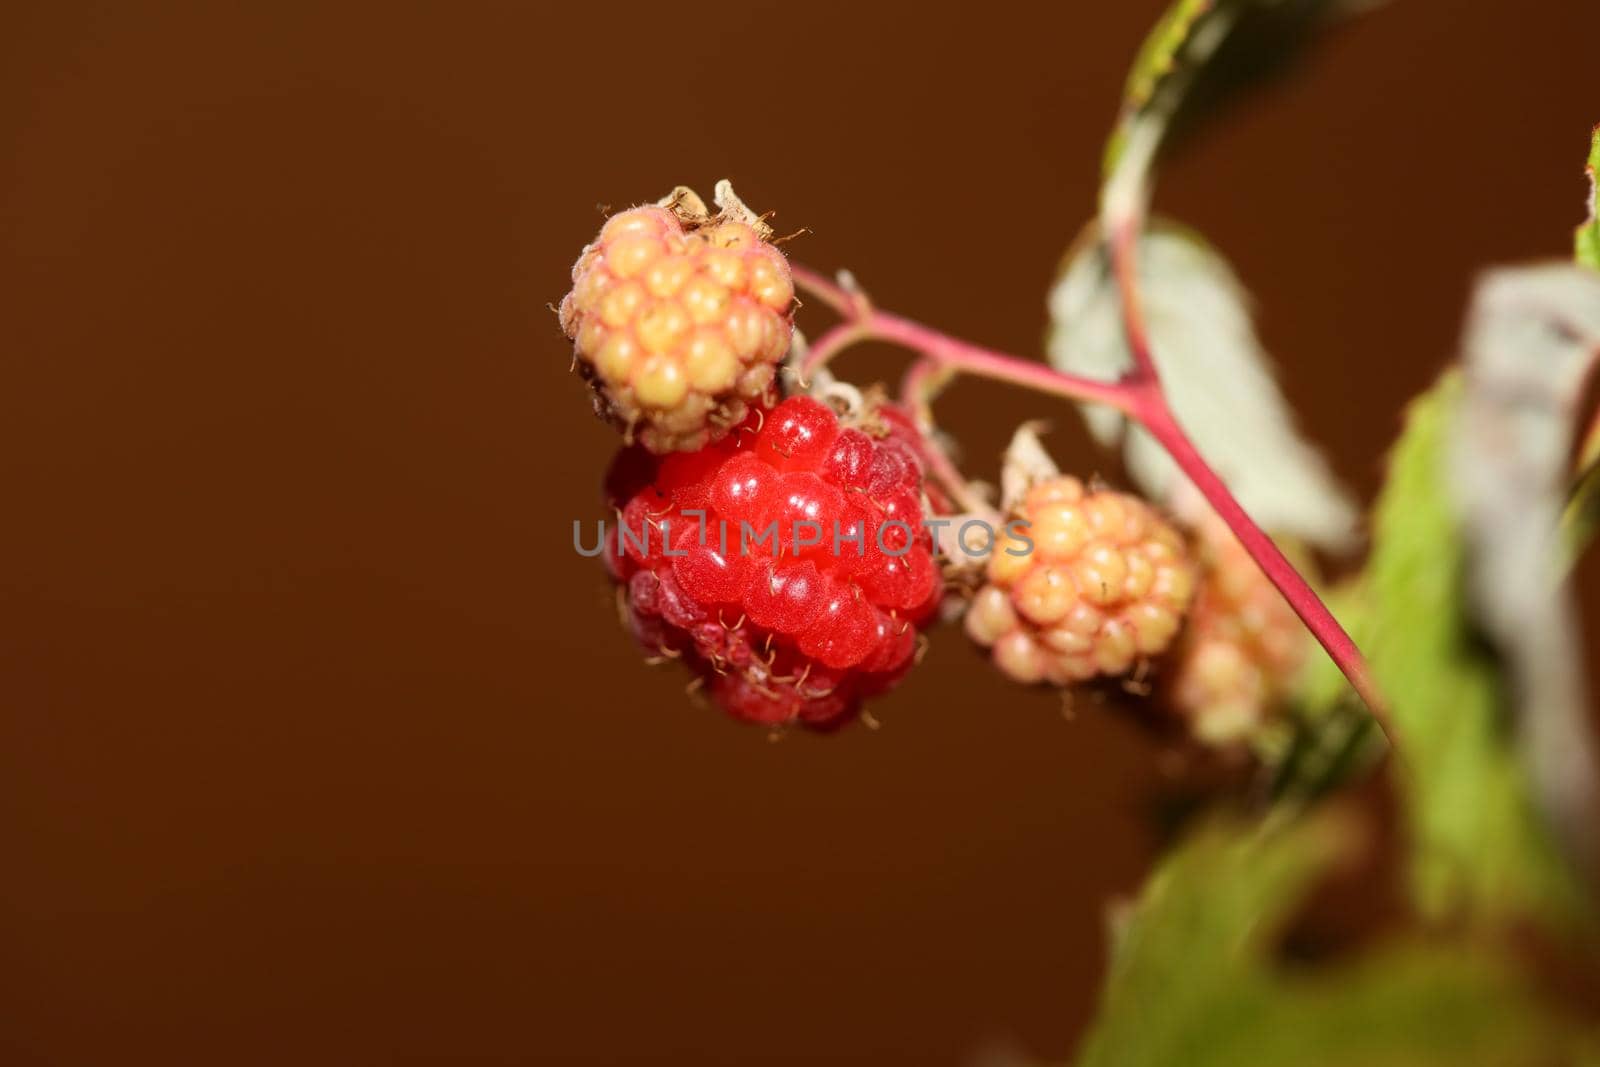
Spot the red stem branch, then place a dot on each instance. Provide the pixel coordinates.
(1151, 410)
(1149, 405)
(863, 322)
(921, 382)
(1139, 395)
(1124, 262)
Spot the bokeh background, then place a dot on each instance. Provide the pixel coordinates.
(317, 743)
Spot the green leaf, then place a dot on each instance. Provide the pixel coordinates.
(1587, 239)
(1194, 979)
(1334, 737)
(1212, 365)
(1582, 519)
(1158, 59)
(1177, 71)
(1181, 42)
(1532, 340)
(1478, 848)
(1158, 55)
(1198, 935)
(1216, 376)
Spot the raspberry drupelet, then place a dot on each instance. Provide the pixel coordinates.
(787, 564)
(680, 319)
(1095, 581)
(1243, 646)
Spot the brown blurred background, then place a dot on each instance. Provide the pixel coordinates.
(319, 746)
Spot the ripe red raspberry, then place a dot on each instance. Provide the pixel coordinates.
(1243, 646)
(799, 628)
(680, 319)
(889, 421)
(1094, 581)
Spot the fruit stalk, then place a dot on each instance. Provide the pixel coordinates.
(1138, 395)
(1150, 408)
(864, 322)
(1154, 415)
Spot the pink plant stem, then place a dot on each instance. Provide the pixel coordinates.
(924, 379)
(922, 382)
(1151, 410)
(830, 344)
(1150, 407)
(987, 363)
(862, 321)
(844, 303)
(1139, 396)
(1125, 263)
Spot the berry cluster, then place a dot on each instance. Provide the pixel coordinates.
(786, 564)
(1095, 580)
(781, 551)
(1242, 648)
(680, 320)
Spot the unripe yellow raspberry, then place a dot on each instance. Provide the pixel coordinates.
(1094, 582)
(1242, 649)
(680, 319)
